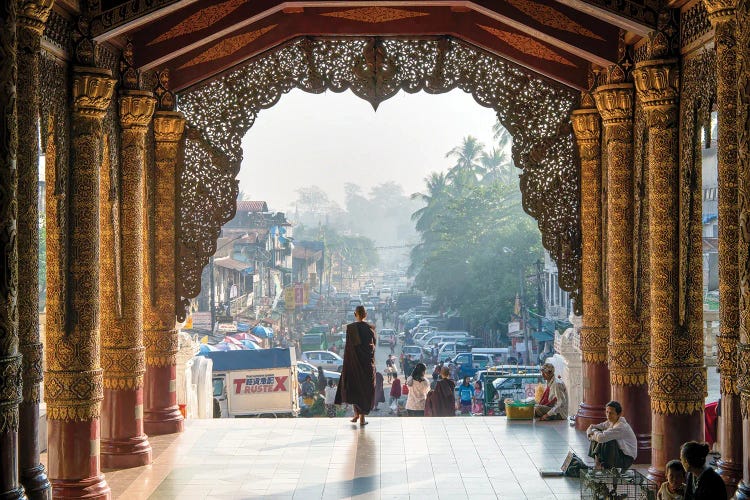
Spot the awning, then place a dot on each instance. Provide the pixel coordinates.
(543, 336)
(234, 265)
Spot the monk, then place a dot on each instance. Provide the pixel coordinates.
(357, 382)
(442, 400)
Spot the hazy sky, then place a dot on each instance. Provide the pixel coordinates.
(331, 139)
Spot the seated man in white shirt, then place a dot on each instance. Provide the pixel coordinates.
(613, 443)
(554, 402)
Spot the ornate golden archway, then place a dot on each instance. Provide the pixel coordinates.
(535, 111)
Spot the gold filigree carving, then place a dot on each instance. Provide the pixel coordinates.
(527, 45)
(227, 47)
(200, 20)
(92, 91)
(33, 14)
(375, 15)
(594, 333)
(658, 84)
(10, 392)
(169, 126)
(615, 102)
(123, 367)
(552, 18)
(720, 10)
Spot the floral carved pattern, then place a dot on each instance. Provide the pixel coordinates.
(552, 18)
(527, 45)
(375, 15)
(535, 111)
(200, 20)
(227, 47)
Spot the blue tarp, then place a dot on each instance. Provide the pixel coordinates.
(250, 360)
(262, 331)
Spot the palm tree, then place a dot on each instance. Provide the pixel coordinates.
(433, 198)
(467, 157)
(497, 166)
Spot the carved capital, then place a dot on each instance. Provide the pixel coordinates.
(136, 108)
(73, 395)
(615, 103)
(678, 389)
(720, 10)
(123, 368)
(628, 362)
(33, 14)
(594, 344)
(168, 126)
(658, 84)
(587, 131)
(10, 392)
(92, 91)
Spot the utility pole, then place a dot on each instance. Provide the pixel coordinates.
(539, 294)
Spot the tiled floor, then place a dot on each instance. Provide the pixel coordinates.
(425, 458)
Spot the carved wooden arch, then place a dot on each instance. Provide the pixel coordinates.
(535, 110)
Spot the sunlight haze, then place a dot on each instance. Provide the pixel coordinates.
(331, 139)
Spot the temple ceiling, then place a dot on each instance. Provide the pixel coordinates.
(200, 40)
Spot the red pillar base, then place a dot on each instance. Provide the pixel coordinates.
(669, 434)
(73, 460)
(161, 414)
(124, 445)
(730, 437)
(596, 393)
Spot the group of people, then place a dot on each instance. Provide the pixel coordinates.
(613, 445)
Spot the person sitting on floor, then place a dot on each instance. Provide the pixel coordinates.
(674, 487)
(702, 481)
(554, 402)
(613, 442)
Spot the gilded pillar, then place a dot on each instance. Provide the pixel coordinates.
(722, 16)
(628, 340)
(162, 415)
(124, 443)
(10, 359)
(676, 375)
(32, 17)
(73, 382)
(594, 332)
(743, 255)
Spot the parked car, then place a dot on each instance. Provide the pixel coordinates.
(412, 350)
(305, 369)
(327, 359)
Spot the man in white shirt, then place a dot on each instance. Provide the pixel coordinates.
(613, 443)
(554, 402)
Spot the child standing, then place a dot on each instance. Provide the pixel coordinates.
(477, 407)
(330, 398)
(674, 487)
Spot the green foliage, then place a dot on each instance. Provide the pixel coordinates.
(476, 241)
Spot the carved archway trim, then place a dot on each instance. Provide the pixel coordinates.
(535, 110)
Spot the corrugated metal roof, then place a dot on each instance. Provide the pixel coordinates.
(230, 263)
(252, 206)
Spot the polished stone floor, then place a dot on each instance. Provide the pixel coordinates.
(425, 458)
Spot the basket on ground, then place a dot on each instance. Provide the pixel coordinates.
(614, 484)
(519, 411)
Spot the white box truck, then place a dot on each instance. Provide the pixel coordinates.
(254, 383)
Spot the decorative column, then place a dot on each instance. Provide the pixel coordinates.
(594, 332)
(722, 16)
(676, 376)
(124, 443)
(628, 340)
(743, 255)
(31, 19)
(73, 382)
(162, 415)
(10, 359)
